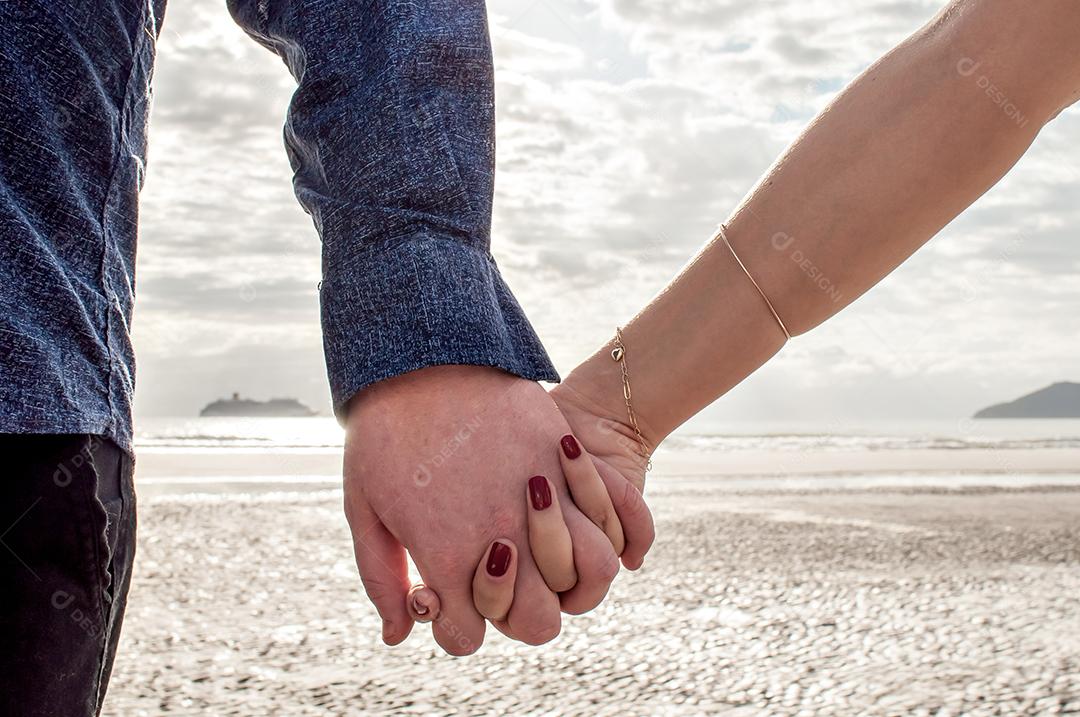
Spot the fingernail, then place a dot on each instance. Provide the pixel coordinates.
(570, 446)
(498, 559)
(539, 492)
(418, 607)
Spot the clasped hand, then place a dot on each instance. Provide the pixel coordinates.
(510, 513)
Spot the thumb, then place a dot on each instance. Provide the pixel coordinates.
(384, 571)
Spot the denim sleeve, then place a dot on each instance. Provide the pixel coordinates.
(391, 139)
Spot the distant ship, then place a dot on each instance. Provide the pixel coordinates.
(1061, 400)
(275, 407)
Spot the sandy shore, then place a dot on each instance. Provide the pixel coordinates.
(837, 602)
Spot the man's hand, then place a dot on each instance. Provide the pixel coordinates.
(437, 461)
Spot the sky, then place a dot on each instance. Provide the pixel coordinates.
(627, 129)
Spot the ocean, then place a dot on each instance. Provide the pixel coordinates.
(255, 455)
(322, 432)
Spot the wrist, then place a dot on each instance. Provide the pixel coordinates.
(410, 394)
(596, 385)
(428, 301)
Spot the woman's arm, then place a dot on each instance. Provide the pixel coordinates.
(897, 155)
(905, 148)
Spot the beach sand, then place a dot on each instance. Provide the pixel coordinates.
(789, 593)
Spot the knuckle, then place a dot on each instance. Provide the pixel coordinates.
(585, 600)
(457, 647)
(608, 569)
(632, 502)
(541, 632)
(601, 570)
(581, 605)
(454, 640)
(597, 566)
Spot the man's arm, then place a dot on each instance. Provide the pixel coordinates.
(391, 137)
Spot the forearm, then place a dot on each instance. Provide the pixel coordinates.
(391, 137)
(903, 150)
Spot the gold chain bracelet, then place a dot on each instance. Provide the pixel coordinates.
(618, 354)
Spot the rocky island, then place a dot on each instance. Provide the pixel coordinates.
(275, 408)
(1060, 400)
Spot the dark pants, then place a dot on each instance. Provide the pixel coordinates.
(67, 539)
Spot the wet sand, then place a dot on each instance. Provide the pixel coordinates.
(163, 466)
(754, 601)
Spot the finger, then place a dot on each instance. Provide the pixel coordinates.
(380, 558)
(590, 494)
(634, 514)
(534, 615)
(493, 581)
(458, 628)
(504, 627)
(596, 563)
(549, 539)
(422, 603)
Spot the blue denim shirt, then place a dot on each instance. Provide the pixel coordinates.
(391, 138)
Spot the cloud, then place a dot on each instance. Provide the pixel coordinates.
(626, 131)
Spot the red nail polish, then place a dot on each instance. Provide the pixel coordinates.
(570, 446)
(498, 559)
(539, 492)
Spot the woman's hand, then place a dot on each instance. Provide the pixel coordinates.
(611, 502)
(616, 457)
